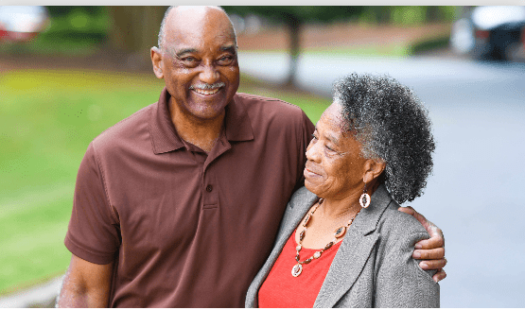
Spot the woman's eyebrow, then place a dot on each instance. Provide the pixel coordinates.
(332, 138)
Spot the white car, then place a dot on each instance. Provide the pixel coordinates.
(22, 23)
(491, 32)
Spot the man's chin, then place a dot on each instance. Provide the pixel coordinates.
(207, 114)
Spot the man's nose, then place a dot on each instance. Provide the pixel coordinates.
(209, 74)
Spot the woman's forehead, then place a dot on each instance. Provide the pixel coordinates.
(332, 119)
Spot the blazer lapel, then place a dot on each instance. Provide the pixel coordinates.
(353, 252)
(299, 204)
(305, 199)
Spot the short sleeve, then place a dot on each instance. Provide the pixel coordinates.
(93, 232)
(307, 128)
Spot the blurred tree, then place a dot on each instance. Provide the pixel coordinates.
(56, 11)
(76, 24)
(407, 15)
(294, 17)
(131, 30)
(135, 29)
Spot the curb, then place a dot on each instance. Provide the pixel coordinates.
(42, 295)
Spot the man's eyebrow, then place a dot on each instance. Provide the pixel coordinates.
(183, 51)
(228, 48)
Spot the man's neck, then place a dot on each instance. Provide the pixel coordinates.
(201, 133)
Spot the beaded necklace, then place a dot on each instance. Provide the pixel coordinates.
(338, 234)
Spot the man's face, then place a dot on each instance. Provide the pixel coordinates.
(199, 62)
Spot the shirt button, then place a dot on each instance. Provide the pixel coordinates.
(209, 188)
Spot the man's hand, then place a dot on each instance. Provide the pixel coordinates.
(433, 249)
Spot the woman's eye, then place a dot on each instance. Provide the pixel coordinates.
(314, 137)
(331, 151)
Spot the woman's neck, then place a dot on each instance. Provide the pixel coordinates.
(337, 207)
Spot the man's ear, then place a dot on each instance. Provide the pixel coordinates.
(373, 169)
(156, 61)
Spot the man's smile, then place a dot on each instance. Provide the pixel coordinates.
(206, 92)
(207, 89)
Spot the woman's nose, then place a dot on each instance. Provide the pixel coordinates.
(312, 151)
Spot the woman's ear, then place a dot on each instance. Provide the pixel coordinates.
(156, 61)
(373, 169)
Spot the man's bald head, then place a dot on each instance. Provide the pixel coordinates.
(196, 11)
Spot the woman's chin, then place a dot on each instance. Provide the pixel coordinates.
(311, 186)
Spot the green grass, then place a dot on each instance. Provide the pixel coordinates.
(47, 119)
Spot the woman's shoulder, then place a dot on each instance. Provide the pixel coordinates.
(301, 198)
(400, 226)
(300, 202)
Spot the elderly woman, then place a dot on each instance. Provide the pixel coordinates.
(342, 242)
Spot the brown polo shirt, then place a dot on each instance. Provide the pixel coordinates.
(186, 228)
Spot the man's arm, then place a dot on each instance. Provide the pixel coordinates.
(86, 285)
(431, 250)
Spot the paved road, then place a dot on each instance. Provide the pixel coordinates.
(476, 192)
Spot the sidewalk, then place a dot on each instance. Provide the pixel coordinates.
(40, 296)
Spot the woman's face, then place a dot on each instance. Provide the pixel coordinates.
(334, 167)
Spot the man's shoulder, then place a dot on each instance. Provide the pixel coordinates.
(128, 129)
(262, 102)
(273, 112)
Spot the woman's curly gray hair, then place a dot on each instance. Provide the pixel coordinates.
(391, 124)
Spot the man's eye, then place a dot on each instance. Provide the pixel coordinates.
(314, 137)
(226, 60)
(189, 61)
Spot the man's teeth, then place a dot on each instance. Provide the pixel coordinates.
(206, 91)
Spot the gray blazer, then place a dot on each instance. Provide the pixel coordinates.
(373, 266)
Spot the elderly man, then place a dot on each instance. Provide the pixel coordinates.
(179, 204)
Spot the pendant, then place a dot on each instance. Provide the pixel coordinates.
(340, 232)
(296, 270)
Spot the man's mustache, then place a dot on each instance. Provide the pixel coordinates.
(207, 86)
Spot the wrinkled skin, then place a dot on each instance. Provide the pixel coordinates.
(198, 63)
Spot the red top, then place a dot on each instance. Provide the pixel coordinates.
(282, 290)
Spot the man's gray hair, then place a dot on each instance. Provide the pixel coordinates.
(163, 23)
